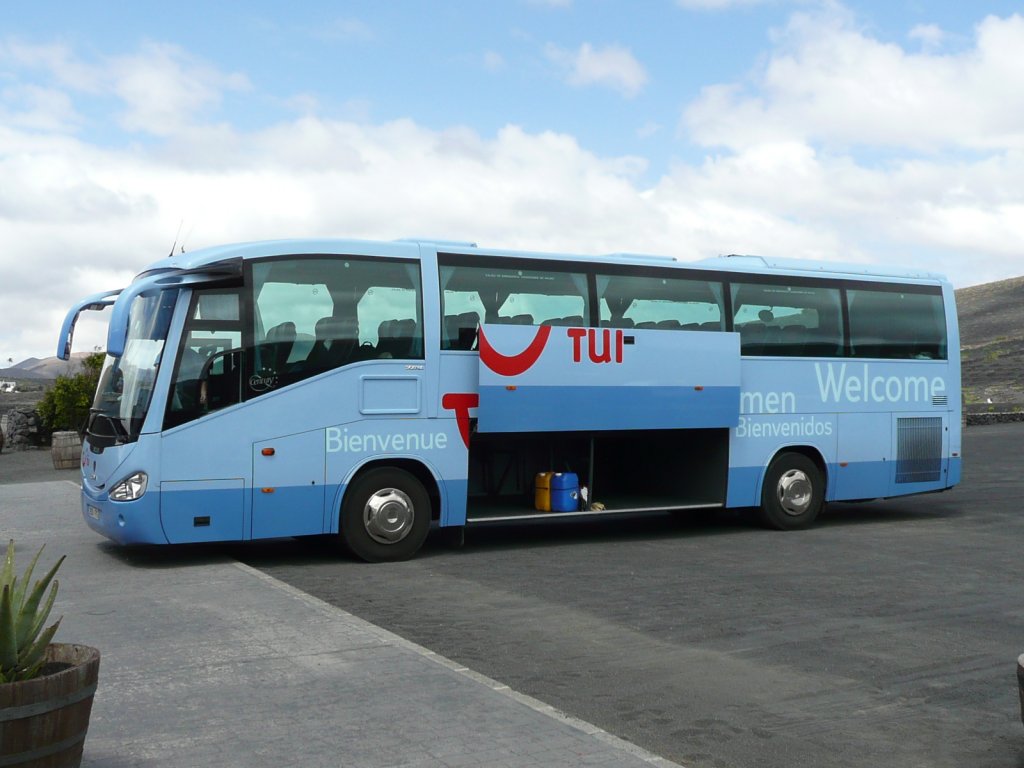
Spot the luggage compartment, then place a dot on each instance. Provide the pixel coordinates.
(628, 471)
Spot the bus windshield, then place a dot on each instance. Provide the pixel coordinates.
(126, 383)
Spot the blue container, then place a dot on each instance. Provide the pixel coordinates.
(565, 492)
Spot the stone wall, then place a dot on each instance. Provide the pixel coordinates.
(21, 429)
(994, 418)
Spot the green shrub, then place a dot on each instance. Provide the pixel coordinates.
(66, 404)
(23, 640)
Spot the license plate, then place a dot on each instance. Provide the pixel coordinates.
(94, 512)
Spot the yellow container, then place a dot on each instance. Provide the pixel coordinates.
(542, 491)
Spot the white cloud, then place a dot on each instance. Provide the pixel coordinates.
(56, 60)
(930, 36)
(76, 218)
(35, 107)
(829, 82)
(164, 89)
(930, 213)
(160, 90)
(81, 219)
(613, 66)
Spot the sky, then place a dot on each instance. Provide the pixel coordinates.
(873, 131)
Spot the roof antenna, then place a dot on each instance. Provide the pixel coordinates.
(176, 236)
(185, 239)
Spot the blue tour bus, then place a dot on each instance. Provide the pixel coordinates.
(373, 390)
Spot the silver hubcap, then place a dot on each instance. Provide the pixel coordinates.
(795, 492)
(388, 516)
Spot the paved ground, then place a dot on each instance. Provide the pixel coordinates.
(887, 635)
(33, 466)
(207, 662)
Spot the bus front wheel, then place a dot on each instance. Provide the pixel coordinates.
(793, 492)
(385, 515)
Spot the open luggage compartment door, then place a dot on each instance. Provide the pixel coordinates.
(558, 379)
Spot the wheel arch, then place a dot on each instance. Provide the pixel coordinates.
(414, 467)
(812, 452)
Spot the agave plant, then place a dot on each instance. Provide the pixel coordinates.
(23, 613)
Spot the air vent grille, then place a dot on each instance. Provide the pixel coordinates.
(919, 450)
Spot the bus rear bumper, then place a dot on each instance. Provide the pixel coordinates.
(125, 522)
(955, 470)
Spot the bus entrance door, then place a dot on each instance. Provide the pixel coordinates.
(288, 486)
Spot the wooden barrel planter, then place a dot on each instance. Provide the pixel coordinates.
(43, 722)
(66, 450)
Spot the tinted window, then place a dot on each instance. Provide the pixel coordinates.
(315, 314)
(207, 375)
(471, 295)
(664, 302)
(893, 324)
(792, 320)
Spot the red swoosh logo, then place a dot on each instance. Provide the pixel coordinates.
(513, 365)
(461, 402)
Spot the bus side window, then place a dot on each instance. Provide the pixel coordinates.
(398, 339)
(277, 348)
(326, 313)
(507, 294)
(459, 331)
(788, 320)
(661, 301)
(896, 324)
(335, 343)
(388, 314)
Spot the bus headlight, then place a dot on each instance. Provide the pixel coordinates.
(131, 488)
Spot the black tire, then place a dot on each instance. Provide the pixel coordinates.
(385, 516)
(793, 493)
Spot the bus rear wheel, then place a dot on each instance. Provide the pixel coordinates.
(385, 516)
(793, 492)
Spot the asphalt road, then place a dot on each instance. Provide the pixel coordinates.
(32, 466)
(886, 635)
